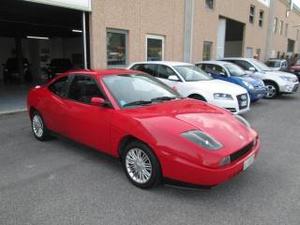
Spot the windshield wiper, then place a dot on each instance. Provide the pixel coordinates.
(140, 102)
(163, 98)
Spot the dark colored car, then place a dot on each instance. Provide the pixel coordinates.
(58, 65)
(12, 72)
(295, 69)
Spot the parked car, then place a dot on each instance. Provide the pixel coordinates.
(11, 71)
(276, 82)
(59, 65)
(232, 73)
(295, 69)
(138, 119)
(192, 82)
(277, 64)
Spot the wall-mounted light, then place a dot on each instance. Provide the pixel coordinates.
(76, 31)
(37, 37)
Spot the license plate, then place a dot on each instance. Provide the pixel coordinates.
(248, 162)
(244, 103)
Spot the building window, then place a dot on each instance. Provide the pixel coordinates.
(291, 46)
(275, 25)
(207, 49)
(252, 14)
(281, 27)
(209, 4)
(298, 35)
(286, 30)
(155, 48)
(261, 18)
(116, 47)
(249, 52)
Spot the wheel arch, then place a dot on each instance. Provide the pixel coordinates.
(195, 95)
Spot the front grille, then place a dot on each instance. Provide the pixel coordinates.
(240, 153)
(243, 101)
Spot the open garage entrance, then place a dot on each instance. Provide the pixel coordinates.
(230, 38)
(37, 41)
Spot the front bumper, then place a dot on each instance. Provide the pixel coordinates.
(289, 88)
(234, 105)
(203, 176)
(257, 94)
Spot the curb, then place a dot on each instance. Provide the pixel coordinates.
(14, 111)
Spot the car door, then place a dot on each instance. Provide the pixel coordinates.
(54, 105)
(87, 123)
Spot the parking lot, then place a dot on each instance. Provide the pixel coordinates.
(60, 182)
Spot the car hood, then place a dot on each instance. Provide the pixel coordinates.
(252, 80)
(218, 86)
(280, 73)
(176, 117)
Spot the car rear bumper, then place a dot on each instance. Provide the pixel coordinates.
(203, 176)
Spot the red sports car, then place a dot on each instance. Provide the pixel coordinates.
(156, 133)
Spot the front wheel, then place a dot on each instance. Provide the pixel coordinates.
(141, 165)
(39, 129)
(272, 90)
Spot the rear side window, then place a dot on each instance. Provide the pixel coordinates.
(215, 69)
(83, 89)
(146, 68)
(245, 65)
(59, 87)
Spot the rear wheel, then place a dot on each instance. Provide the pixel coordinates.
(272, 90)
(141, 165)
(39, 128)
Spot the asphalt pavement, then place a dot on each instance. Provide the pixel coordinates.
(62, 183)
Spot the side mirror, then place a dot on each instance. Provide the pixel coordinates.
(97, 101)
(252, 69)
(173, 78)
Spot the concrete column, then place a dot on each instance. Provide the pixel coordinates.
(188, 30)
(269, 39)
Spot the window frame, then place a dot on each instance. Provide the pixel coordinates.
(208, 5)
(68, 80)
(210, 52)
(155, 37)
(71, 79)
(252, 14)
(261, 18)
(118, 31)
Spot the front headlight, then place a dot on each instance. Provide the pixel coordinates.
(250, 86)
(289, 79)
(223, 96)
(202, 139)
(243, 120)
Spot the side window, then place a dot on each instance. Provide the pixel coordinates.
(245, 65)
(59, 87)
(146, 68)
(214, 69)
(83, 89)
(165, 71)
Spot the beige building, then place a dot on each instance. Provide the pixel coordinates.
(124, 31)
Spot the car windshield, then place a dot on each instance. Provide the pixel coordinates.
(192, 73)
(273, 63)
(131, 90)
(260, 65)
(235, 70)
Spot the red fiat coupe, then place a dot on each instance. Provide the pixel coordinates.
(157, 134)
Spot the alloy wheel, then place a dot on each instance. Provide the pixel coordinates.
(138, 165)
(37, 126)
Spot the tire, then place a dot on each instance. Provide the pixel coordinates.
(198, 97)
(144, 173)
(272, 90)
(38, 126)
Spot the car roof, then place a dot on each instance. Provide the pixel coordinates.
(237, 58)
(274, 60)
(167, 63)
(101, 72)
(215, 62)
